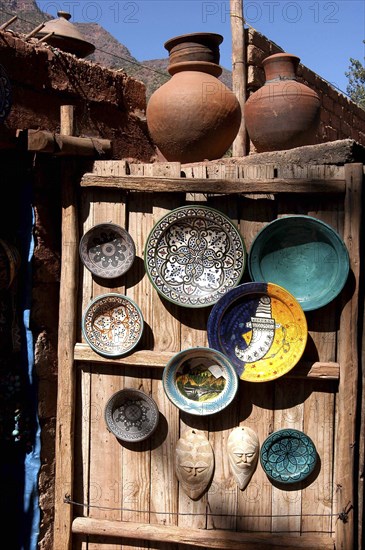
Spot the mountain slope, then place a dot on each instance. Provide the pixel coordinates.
(109, 52)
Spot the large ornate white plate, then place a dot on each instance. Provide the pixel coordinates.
(131, 415)
(107, 250)
(112, 325)
(194, 255)
(200, 381)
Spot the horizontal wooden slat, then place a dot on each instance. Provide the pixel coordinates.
(212, 185)
(64, 145)
(198, 537)
(159, 359)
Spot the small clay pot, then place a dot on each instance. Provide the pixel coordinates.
(283, 113)
(194, 47)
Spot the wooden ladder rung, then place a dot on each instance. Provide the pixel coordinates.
(214, 185)
(228, 540)
(158, 359)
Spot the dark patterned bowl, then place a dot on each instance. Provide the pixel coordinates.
(288, 456)
(131, 415)
(107, 250)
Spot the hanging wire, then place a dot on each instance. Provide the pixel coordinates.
(343, 515)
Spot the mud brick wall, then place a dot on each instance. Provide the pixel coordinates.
(340, 118)
(108, 103)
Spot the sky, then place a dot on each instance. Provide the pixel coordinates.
(322, 33)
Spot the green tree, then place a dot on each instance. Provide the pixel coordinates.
(356, 85)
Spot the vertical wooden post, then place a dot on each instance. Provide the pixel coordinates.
(345, 497)
(66, 343)
(239, 147)
(67, 120)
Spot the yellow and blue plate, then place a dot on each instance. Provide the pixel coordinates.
(261, 328)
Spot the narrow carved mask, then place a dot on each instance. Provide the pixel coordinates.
(194, 463)
(243, 451)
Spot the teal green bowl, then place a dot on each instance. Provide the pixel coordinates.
(302, 254)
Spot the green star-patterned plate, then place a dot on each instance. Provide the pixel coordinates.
(288, 456)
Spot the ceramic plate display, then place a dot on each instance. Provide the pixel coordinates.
(112, 325)
(302, 254)
(200, 381)
(5, 94)
(261, 328)
(131, 415)
(107, 250)
(288, 456)
(194, 255)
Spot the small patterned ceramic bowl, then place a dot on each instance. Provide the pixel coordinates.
(112, 325)
(288, 456)
(200, 381)
(131, 415)
(107, 250)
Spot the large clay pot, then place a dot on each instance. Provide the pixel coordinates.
(194, 116)
(283, 113)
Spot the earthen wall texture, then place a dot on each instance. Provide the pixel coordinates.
(108, 105)
(340, 118)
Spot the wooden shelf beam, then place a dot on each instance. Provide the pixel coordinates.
(62, 145)
(213, 185)
(159, 359)
(211, 538)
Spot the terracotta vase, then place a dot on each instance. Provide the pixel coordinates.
(283, 113)
(194, 116)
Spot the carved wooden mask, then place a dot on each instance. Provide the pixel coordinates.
(194, 463)
(243, 451)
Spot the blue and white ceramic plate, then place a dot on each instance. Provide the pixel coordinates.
(200, 381)
(194, 255)
(288, 456)
(107, 250)
(131, 415)
(112, 325)
(302, 254)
